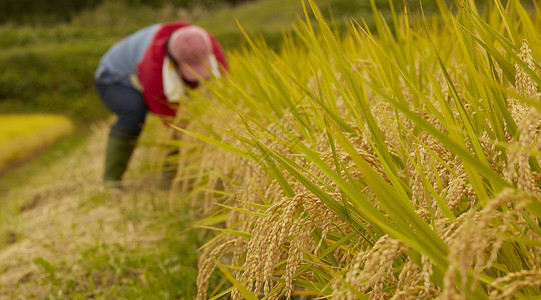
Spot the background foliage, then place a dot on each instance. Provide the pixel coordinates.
(54, 11)
(49, 49)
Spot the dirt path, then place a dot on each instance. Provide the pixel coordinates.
(65, 213)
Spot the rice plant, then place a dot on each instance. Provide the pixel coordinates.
(395, 163)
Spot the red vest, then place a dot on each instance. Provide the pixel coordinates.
(149, 69)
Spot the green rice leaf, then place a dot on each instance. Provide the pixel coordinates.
(242, 289)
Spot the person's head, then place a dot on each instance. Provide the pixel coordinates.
(191, 48)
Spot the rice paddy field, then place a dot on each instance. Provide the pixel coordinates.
(22, 135)
(395, 163)
(397, 157)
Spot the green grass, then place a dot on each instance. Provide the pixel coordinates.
(166, 270)
(271, 16)
(259, 16)
(162, 268)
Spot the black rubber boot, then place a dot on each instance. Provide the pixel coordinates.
(117, 156)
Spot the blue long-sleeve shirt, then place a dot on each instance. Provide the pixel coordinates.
(122, 58)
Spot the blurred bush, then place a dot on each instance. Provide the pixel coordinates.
(51, 77)
(47, 12)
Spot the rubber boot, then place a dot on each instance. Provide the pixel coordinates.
(117, 157)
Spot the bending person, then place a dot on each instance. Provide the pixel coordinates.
(151, 70)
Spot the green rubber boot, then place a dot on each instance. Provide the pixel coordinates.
(117, 157)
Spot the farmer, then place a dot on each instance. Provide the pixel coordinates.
(150, 70)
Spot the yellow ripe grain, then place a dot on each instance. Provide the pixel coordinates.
(22, 135)
(206, 265)
(524, 82)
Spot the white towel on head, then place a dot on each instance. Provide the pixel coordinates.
(172, 86)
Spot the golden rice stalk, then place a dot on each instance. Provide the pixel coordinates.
(524, 82)
(207, 264)
(476, 237)
(415, 282)
(370, 269)
(514, 282)
(459, 188)
(264, 247)
(518, 169)
(270, 234)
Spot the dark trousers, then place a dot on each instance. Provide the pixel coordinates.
(128, 104)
